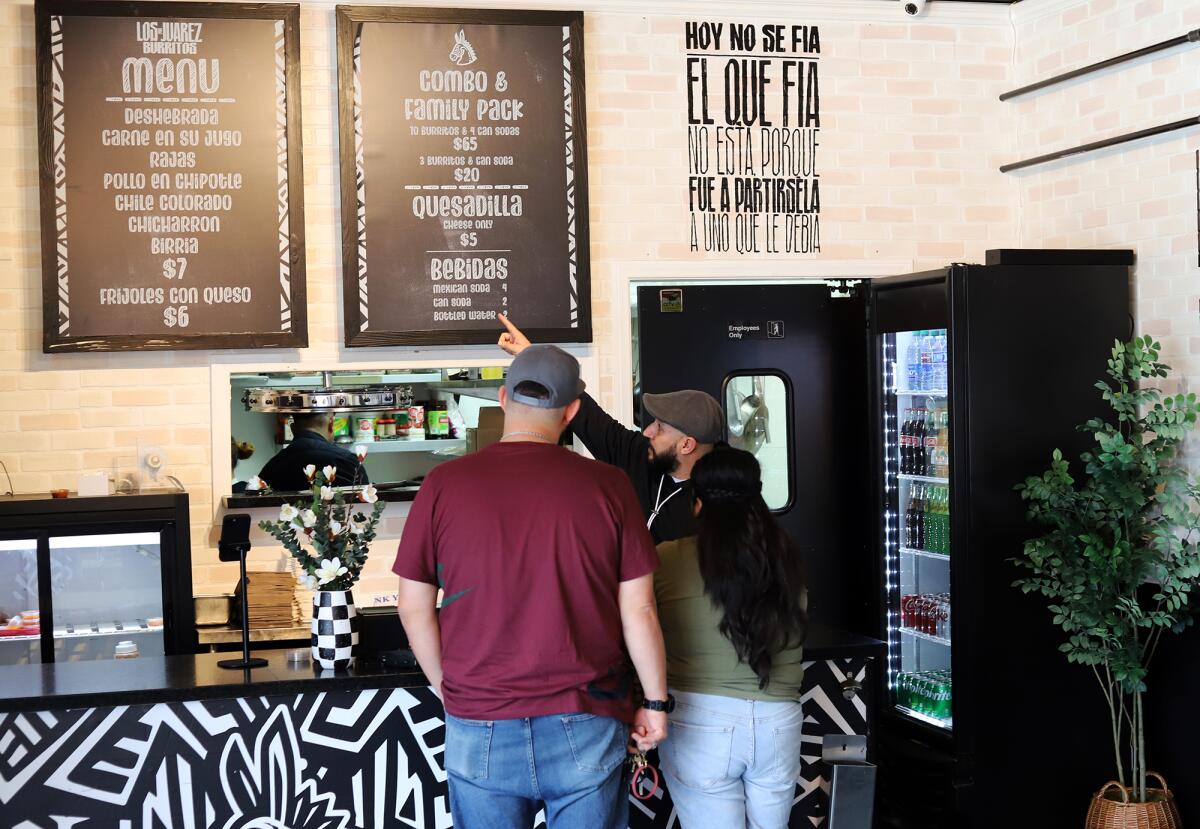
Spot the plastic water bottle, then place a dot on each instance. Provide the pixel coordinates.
(939, 360)
(927, 346)
(912, 361)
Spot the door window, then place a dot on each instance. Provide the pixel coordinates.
(756, 419)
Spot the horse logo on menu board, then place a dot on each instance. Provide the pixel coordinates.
(463, 54)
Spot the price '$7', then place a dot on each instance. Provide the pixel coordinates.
(174, 268)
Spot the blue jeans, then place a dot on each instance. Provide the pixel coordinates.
(499, 771)
(732, 762)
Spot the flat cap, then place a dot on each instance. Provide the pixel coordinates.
(695, 413)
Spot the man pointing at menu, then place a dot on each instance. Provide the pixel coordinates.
(659, 459)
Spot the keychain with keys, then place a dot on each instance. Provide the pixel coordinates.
(642, 770)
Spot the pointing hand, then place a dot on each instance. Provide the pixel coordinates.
(512, 340)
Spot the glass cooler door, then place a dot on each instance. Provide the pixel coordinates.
(20, 620)
(917, 524)
(106, 590)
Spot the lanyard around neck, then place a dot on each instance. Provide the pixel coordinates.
(659, 504)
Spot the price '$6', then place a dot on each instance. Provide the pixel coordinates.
(176, 315)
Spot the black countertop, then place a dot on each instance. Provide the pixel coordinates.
(831, 643)
(151, 679)
(250, 500)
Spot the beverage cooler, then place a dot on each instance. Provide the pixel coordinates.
(978, 373)
(94, 578)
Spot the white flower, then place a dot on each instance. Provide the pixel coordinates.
(369, 494)
(308, 580)
(326, 493)
(330, 473)
(308, 518)
(335, 529)
(329, 570)
(309, 471)
(360, 451)
(288, 513)
(357, 527)
(255, 483)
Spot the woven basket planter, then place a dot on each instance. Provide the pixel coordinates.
(1119, 813)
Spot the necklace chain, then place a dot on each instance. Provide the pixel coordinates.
(544, 437)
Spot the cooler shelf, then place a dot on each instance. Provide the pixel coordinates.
(924, 479)
(919, 393)
(926, 636)
(925, 554)
(925, 718)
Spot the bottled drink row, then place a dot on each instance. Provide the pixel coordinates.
(925, 442)
(925, 361)
(926, 613)
(927, 519)
(926, 692)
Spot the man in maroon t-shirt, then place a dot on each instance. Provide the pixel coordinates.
(546, 567)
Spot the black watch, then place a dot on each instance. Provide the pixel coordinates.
(665, 705)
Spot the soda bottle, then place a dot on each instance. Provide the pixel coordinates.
(911, 533)
(918, 442)
(912, 361)
(946, 520)
(944, 442)
(939, 522)
(917, 502)
(905, 428)
(930, 440)
(906, 531)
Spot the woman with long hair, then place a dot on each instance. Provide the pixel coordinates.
(731, 601)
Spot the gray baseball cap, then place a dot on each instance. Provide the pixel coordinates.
(551, 368)
(695, 413)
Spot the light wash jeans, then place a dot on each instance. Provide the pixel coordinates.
(499, 770)
(732, 762)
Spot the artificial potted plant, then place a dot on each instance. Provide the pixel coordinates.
(340, 538)
(1120, 560)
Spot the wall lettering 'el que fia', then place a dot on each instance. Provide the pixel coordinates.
(754, 126)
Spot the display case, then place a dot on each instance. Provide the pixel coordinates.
(94, 578)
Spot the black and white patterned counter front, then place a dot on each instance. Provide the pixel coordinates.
(280, 748)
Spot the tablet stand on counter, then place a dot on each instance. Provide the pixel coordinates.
(233, 546)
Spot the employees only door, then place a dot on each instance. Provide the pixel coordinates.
(788, 363)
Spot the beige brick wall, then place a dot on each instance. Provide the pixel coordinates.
(1140, 195)
(912, 134)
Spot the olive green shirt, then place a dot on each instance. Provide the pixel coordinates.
(699, 659)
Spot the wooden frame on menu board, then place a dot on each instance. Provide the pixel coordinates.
(464, 175)
(172, 191)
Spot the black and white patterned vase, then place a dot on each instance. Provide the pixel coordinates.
(334, 629)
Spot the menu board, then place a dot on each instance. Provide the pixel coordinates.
(172, 197)
(464, 188)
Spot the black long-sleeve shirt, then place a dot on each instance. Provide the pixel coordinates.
(285, 471)
(628, 450)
